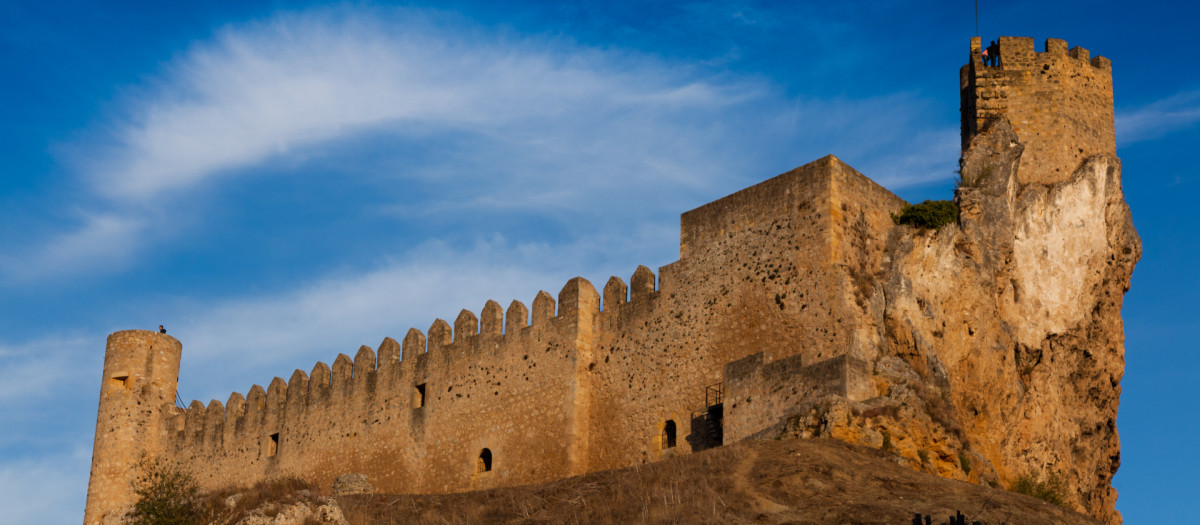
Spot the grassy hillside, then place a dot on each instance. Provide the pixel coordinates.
(789, 481)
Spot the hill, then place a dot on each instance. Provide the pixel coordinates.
(789, 481)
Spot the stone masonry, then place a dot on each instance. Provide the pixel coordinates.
(796, 305)
(1059, 102)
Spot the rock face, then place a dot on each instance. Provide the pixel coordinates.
(300, 513)
(1001, 346)
(1004, 346)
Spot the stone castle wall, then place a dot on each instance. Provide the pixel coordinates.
(578, 390)
(759, 270)
(415, 417)
(761, 391)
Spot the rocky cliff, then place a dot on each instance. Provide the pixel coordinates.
(1000, 342)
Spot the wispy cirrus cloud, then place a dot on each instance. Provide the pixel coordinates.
(270, 89)
(42, 368)
(1159, 118)
(46, 489)
(532, 123)
(102, 240)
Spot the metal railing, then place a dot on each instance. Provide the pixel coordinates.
(714, 394)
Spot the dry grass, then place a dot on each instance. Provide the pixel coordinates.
(1050, 489)
(788, 481)
(695, 489)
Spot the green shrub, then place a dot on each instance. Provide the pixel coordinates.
(928, 214)
(965, 180)
(166, 495)
(887, 442)
(965, 462)
(1050, 489)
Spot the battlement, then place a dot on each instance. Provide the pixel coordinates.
(1017, 52)
(457, 346)
(432, 382)
(1059, 101)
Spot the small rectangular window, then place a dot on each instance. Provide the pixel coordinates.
(120, 381)
(484, 463)
(273, 445)
(419, 396)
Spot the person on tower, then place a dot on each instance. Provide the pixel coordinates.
(993, 54)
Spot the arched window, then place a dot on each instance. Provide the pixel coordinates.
(485, 462)
(668, 437)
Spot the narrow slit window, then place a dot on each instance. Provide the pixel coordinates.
(485, 462)
(273, 445)
(419, 396)
(669, 434)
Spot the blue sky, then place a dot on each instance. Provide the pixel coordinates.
(279, 182)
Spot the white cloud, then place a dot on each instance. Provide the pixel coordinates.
(105, 240)
(46, 490)
(553, 129)
(44, 472)
(46, 367)
(268, 89)
(542, 107)
(1159, 118)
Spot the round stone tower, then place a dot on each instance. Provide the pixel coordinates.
(137, 396)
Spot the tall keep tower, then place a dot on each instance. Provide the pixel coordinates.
(137, 394)
(1059, 101)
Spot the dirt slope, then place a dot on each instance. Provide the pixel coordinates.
(790, 481)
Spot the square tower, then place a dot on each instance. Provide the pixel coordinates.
(1059, 101)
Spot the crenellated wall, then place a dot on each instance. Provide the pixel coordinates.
(1059, 101)
(566, 387)
(415, 416)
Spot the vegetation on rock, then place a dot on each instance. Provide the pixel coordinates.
(928, 215)
(166, 495)
(965, 462)
(169, 495)
(1050, 489)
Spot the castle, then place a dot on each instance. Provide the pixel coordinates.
(797, 305)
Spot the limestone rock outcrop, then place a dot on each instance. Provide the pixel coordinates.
(299, 513)
(1001, 341)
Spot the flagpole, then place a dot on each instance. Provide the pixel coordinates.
(976, 17)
